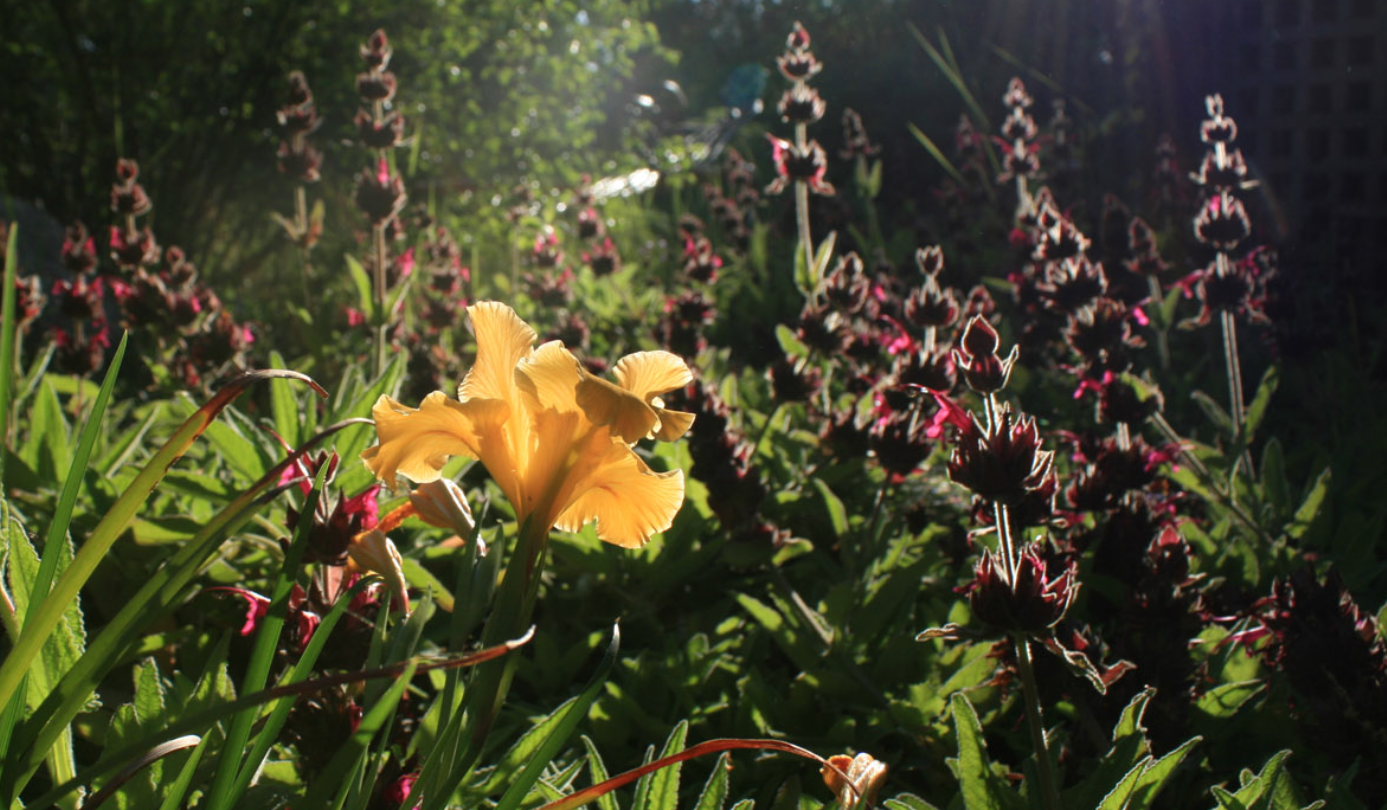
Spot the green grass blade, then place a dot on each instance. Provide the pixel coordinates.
(8, 336)
(162, 589)
(575, 713)
(39, 625)
(936, 153)
(205, 719)
(62, 516)
(283, 406)
(955, 78)
(178, 791)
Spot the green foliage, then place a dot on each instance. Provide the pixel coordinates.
(783, 602)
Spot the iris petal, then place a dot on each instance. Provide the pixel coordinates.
(629, 501)
(503, 340)
(417, 442)
(649, 374)
(606, 404)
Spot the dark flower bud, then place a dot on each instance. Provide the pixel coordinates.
(979, 338)
(701, 264)
(801, 105)
(79, 250)
(134, 249)
(792, 164)
(929, 306)
(1141, 240)
(127, 171)
(589, 223)
(546, 252)
(382, 134)
(129, 198)
(1218, 128)
(934, 371)
(603, 259)
(1018, 126)
(1033, 602)
(1002, 464)
(301, 162)
(798, 40)
(1222, 222)
(181, 272)
(1019, 159)
(80, 354)
(79, 300)
(930, 260)
(1016, 96)
(1112, 473)
(821, 329)
(798, 67)
(1118, 402)
(223, 342)
(299, 91)
(1073, 284)
(379, 195)
(375, 87)
(846, 287)
(299, 117)
(899, 443)
(376, 52)
(549, 289)
(1224, 175)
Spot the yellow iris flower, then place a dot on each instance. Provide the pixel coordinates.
(554, 437)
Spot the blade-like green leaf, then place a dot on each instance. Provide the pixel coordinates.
(936, 153)
(8, 336)
(560, 727)
(663, 792)
(283, 405)
(1119, 767)
(1310, 506)
(62, 515)
(597, 770)
(39, 625)
(981, 788)
(907, 801)
(365, 290)
(162, 589)
(714, 794)
(1157, 774)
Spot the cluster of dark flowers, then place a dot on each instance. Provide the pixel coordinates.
(801, 160)
(380, 193)
(154, 293)
(722, 460)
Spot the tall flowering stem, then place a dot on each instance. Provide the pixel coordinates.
(1222, 224)
(1019, 145)
(1000, 460)
(802, 162)
(300, 161)
(379, 193)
